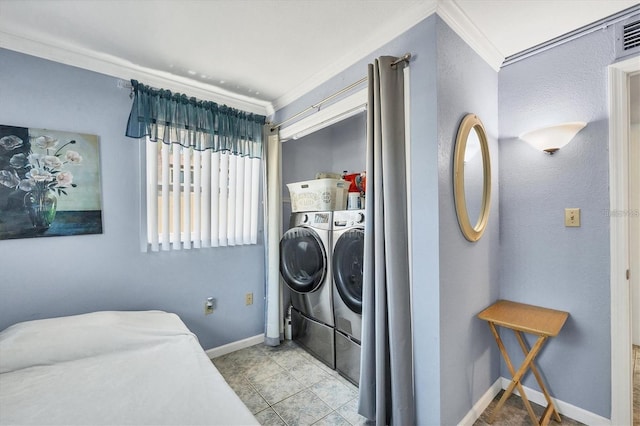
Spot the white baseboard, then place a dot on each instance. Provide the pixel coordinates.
(564, 408)
(482, 404)
(234, 346)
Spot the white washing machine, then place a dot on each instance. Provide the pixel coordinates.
(305, 267)
(347, 259)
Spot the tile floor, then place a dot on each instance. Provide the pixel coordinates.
(513, 413)
(285, 385)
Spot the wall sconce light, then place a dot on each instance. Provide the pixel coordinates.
(552, 138)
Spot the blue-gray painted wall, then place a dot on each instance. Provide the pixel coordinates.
(468, 271)
(54, 276)
(542, 261)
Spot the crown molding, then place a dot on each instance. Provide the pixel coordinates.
(448, 10)
(116, 67)
(378, 38)
(453, 15)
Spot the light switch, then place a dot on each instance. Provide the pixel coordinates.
(572, 217)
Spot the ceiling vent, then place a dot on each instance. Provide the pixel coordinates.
(628, 37)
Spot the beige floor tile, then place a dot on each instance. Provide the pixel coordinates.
(277, 387)
(350, 412)
(333, 393)
(268, 417)
(262, 370)
(513, 413)
(308, 373)
(251, 398)
(333, 419)
(303, 408)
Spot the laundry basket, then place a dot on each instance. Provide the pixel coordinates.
(318, 195)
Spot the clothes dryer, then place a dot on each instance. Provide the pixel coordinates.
(305, 267)
(347, 259)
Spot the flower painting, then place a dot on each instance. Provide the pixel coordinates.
(49, 183)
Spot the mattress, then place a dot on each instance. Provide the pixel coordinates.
(112, 368)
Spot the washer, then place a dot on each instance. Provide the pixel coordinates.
(305, 267)
(347, 259)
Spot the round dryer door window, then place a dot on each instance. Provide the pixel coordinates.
(348, 255)
(303, 260)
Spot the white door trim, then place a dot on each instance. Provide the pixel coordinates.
(621, 378)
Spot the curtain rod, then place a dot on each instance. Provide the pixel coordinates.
(317, 105)
(404, 58)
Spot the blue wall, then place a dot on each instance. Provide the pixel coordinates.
(543, 262)
(44, 277)
(468, 271)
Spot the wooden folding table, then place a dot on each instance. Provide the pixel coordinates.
(535, 320)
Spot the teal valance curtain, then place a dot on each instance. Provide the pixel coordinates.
(202, 125)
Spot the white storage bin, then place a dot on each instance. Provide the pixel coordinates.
(318, 195)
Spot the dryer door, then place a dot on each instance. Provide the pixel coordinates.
(348, 255)
(303, 259)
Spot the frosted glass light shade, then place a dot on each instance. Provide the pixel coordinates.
(552, 138)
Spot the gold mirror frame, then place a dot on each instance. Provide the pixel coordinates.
(472, 233)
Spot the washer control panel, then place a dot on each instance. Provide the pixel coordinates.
(348, 218)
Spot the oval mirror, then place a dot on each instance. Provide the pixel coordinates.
(472, 177)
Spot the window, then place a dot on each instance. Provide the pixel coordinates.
(200, 198)
(202, 169)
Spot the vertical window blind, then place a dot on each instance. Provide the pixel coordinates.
(200, 198)
(202, 170)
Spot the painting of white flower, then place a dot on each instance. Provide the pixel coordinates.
(49, 183)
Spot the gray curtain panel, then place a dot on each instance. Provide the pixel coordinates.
(386, 373)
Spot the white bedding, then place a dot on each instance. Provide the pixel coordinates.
(112, 368)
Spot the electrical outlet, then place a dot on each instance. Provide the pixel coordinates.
(572, 217)
(208, 305)
(248, 299)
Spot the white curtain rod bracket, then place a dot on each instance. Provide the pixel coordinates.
(122, 84)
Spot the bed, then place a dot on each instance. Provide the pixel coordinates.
(112, 368)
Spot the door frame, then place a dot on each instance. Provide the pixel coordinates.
(621, 377)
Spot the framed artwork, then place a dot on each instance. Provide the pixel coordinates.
(49, 183)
